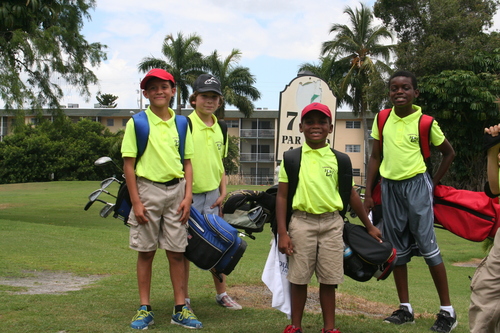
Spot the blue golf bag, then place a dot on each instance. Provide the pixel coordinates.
(213, 244)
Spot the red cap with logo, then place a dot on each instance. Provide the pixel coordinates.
(159, 73)
(318, 107)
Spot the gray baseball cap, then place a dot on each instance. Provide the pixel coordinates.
(207, 82)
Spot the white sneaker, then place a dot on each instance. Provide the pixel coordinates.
(228, 303)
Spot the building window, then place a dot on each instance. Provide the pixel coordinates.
(110, 122)
(353, 124)
(233, 123)
(352, 148)
(124, 122)
(356, 172)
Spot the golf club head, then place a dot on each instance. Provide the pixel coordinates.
(108, 181)
(94, 195)
(87, 206)
(106, 210)
(103, 161)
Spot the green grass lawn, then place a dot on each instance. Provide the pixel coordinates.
(43, 227)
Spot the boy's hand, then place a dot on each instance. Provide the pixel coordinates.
(375, 233)
(184, 210)
(285, 245)
(140, 213)
(218, 203)
(368, 204)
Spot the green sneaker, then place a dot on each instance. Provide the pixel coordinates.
(142, 319)
(186, 318)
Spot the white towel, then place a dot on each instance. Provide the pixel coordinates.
(274, 276)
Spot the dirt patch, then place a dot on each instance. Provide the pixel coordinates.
(474, 262)
(8, 205)
(46, 282)
(261, 297)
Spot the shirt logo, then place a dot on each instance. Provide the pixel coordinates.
(328, 171)
(177, 142)
(219, 145)
(413, 138)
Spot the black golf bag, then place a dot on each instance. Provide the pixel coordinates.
(364, 256)
(250, 210)
(213, 244)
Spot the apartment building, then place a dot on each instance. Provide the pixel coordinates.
(257, 137)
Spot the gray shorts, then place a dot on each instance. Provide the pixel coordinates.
(409, 218)
(203, 201)
(164, 230)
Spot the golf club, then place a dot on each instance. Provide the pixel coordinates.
(94, 195)
(91, 202)
(107, 209)
(106, 160)
(108, 181)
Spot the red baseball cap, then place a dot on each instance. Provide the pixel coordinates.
(159, 73)
(318, 107)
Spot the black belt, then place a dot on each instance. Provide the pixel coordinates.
(174, 181)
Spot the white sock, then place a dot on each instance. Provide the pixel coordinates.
(219, 296)
(448, 309)
(408, 305)
(187, 300)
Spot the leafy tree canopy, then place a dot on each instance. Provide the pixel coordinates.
(41, 44)
(437, 35)
(237, 83)
(107, 100)
(181, 59)
(62, 151)
(464, 104)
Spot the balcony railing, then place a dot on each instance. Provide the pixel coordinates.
(256, 157)
(257, 133)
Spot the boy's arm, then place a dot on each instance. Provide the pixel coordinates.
(284, 242)
(492, 163)
(357, 205)
(448, 155)
(129, 171)
(222, 193)
(188, 195)
(371, 175)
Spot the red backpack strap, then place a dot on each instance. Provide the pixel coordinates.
(424, 132)
(381, 120)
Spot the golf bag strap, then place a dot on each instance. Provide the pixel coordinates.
(424, 132)
(141, 126)
(291, 161)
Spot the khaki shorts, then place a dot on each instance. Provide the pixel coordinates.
(164, 230)
(484, 310)
(317, 248)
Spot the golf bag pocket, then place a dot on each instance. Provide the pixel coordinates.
(123, 204)
(210, 239)
(364, 256)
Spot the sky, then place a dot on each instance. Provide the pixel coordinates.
(275, 37)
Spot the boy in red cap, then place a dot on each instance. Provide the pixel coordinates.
(160, 187)
(313, 240)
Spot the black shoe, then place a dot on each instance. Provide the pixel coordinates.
(401, 316)
(444, 323)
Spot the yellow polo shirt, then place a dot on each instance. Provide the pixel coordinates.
(402, 158)
(161, 161)
(209, 152)
(317, 189)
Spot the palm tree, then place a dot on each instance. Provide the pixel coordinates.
(236, 82)
(330, 70)
(358, 47)
(182, 60)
